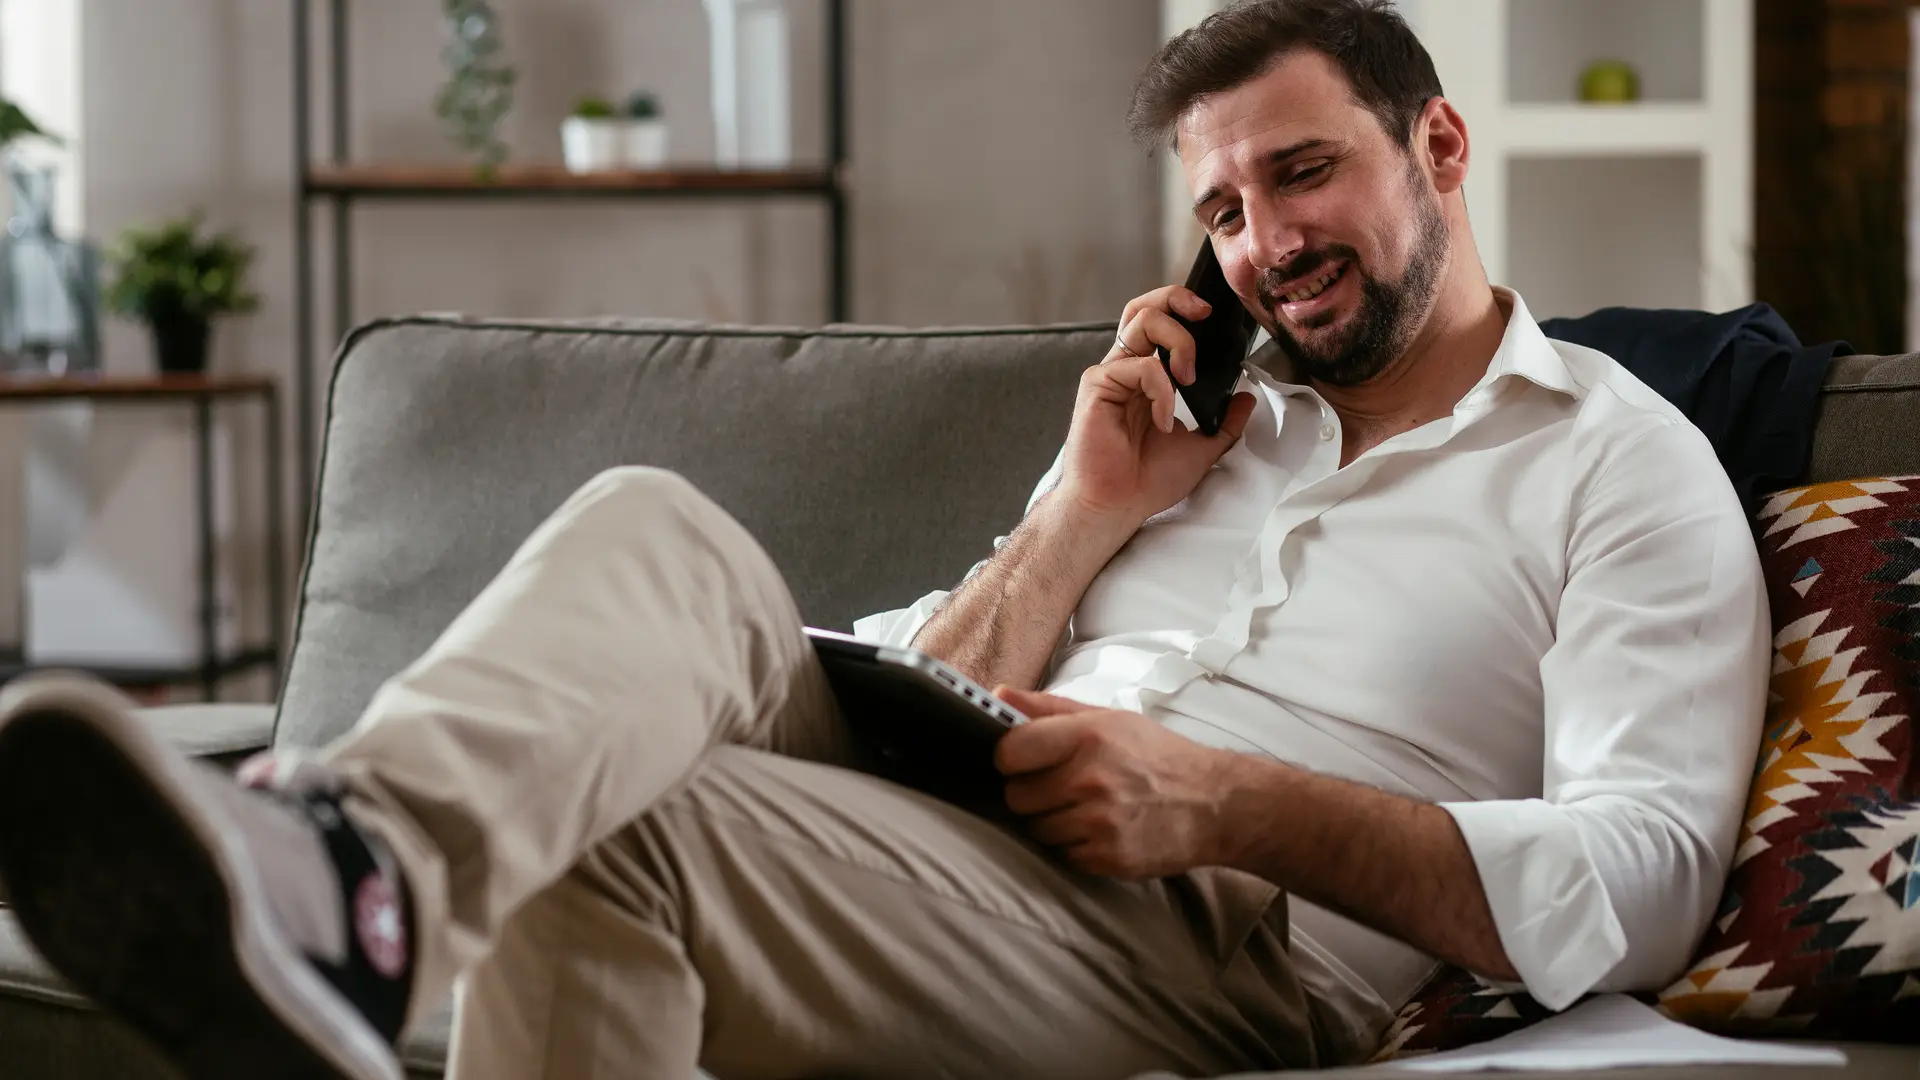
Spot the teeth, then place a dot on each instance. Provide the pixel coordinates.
(1313, 288)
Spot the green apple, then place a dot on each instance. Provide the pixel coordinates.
(1609, 81)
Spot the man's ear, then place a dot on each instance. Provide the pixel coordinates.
(1440, 141)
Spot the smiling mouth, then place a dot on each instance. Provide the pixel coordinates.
(1315, 287)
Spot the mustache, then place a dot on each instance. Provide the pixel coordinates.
(1266, 285)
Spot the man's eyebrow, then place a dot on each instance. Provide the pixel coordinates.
(1275, 158)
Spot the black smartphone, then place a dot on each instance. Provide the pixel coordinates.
(1220, 343)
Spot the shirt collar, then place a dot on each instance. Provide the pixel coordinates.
(1525, 351)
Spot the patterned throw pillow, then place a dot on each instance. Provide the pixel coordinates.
(1818, 932)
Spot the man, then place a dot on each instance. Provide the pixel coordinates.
(1454, 634)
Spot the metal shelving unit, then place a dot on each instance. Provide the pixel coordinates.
(340, 183)
(203, 392)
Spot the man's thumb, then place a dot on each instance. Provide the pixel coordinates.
(1234, 424)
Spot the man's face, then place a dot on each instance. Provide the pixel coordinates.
(1326, 227)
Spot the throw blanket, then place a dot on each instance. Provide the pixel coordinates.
(1741, 376)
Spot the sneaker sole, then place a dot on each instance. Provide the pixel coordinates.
(133, 888)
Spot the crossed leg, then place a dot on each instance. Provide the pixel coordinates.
(619, 790)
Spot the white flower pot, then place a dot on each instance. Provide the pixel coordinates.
(646, 146)
(592, 144)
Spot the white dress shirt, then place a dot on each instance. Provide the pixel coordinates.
(1543, 612)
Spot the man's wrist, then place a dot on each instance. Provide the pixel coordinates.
(1250, 789)
(1092, 533)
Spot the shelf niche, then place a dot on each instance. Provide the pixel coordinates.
(1585, 233)
(1550, 42)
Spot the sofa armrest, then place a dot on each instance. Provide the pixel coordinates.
(225, 734)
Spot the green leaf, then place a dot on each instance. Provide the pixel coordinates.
(171, 267)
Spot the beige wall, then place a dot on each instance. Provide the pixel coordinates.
(993, 179)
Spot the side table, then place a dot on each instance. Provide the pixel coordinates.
(201, 392)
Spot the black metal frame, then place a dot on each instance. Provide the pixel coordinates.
(832, 187)
(212, 667)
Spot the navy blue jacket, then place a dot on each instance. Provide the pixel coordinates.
(1741, 376)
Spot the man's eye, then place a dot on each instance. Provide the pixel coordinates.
(1227, 217)
(1309, 174)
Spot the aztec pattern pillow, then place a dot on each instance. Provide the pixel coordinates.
(1818, 932)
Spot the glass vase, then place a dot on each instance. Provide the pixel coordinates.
(49, 286)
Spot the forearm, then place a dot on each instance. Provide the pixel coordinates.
(1001, 626)
(1388, 862)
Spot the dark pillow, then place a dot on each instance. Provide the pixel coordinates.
(1818, 931)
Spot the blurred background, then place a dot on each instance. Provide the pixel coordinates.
(766, 161)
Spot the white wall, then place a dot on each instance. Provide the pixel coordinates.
(993, 177)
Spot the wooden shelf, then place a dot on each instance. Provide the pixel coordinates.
(129, 387)
(554, 180)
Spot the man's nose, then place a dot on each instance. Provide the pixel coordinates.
(1273, 238)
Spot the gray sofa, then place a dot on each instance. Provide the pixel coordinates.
(872, 464)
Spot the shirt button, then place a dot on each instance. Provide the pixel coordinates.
(1327, 433)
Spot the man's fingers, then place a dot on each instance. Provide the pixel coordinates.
(1064, 828)
(1168, 298)
(1188, 303)
(1037, 793)
(1038, 744)
(1154, 327)
(1034, 703)
(1130, 341)
(1141, 376)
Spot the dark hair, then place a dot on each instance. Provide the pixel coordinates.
(1389, 71)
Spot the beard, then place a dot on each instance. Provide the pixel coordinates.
(1390, 312)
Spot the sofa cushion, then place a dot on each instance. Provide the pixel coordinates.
(1869, 423)
(213, 730)
(872, 464)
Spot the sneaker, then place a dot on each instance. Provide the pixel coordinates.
(244, 934)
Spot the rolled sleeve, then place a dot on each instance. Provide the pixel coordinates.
(1654, 695)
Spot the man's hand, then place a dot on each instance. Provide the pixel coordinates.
(1120, 796)
(1127, 458)
(1114, 792)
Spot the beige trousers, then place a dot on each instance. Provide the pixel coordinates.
(618, 787)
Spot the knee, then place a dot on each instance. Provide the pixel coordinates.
(645, 484)
(638, 504)
(641, 494)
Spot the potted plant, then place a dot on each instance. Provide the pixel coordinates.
(478, 92)
(593, 138)
(176, 281)
(646, 133)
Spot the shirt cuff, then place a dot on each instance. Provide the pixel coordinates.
(1549, 905)
(898, 628)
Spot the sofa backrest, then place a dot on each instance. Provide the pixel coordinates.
(1869, 421)
(872, 464)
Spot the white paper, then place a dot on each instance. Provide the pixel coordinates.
(1615, 1031)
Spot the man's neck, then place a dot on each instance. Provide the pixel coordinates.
(1448, 357)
